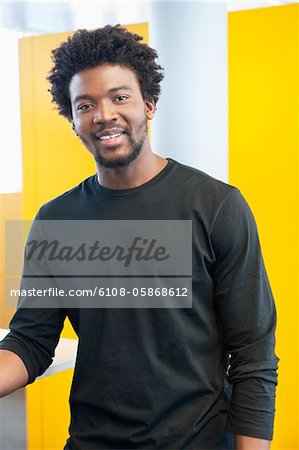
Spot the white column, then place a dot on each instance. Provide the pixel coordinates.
(191, 121)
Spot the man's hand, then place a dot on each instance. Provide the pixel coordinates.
(250, 443)
(13, 373)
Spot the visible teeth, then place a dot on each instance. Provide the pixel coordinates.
(109, 136)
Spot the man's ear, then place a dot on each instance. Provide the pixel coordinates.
(71, 121)
(150, 109)
(73, 126)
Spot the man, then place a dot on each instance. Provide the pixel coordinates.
(153, 377)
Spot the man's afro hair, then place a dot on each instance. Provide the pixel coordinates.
(90, 48)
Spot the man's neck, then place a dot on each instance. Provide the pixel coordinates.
(145, 167)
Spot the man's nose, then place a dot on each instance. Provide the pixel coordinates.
(105, 112)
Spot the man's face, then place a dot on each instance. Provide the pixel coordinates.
(109, 114)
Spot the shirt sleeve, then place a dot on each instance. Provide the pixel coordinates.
(34, 329)
(247, 316)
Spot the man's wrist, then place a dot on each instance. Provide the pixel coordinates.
(250, 443)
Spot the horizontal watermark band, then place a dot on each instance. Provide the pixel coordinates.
(106, 247)
(99, 293)
(99, 264)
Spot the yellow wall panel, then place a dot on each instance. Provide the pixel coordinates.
(263, 163)
(10, 209)
(54, 161)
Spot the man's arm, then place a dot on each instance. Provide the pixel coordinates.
(247, 315)
(13, 373)
(250, 443)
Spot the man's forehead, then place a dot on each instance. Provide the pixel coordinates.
(106, 76)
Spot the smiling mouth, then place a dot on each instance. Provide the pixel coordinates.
(109, 137)
(111, 140)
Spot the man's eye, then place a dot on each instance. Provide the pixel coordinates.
(85, 106)
(121, 98)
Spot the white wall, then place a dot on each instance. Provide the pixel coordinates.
(10, 122)
(191, 122)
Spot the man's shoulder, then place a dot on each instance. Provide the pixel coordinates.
(204, 184)
(67, 202)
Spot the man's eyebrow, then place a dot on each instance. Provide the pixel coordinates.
(81, 97)
(115, 89)
(120, 88)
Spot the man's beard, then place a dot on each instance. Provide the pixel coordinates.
(125, 161)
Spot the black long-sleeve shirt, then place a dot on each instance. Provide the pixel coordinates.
(160, 378)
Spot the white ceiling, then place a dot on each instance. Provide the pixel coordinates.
(46, 17)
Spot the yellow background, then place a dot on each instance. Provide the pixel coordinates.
(263, 163)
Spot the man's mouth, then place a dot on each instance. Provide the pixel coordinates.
(110, 138)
